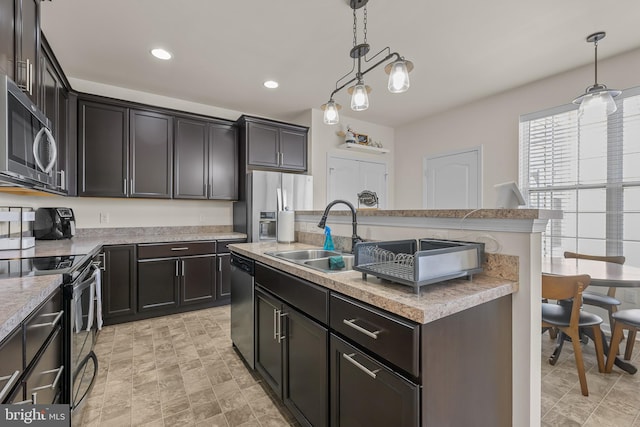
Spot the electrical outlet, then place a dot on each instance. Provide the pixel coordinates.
(104, 217)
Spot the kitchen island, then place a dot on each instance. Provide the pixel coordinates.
(428, 352)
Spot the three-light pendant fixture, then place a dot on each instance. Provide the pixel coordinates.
(398, 71)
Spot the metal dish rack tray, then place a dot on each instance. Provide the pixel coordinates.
(437, 260)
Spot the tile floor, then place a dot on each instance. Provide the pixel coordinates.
(613, 401)
(181, 370)
(178, 370)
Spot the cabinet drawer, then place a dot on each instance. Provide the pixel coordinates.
(40, 325)
(305, 296)
(391, 338)
(46, 378)
(165, 250)
(11, 366)
(223, 245)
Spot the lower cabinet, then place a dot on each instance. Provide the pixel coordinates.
(11, 366)
(291, 355)
(119, 281)
(365, 392)
(167, 283)
(223, 275)
(44, 383)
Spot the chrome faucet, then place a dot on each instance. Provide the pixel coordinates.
(354, 237)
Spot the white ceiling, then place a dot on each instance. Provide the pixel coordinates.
(223, 50)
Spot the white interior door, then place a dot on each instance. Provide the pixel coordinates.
(453, 180)
(348, 177)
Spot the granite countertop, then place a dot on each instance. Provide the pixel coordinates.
(21, 295)
(434, 301)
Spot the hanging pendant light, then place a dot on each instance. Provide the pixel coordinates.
(398, 70)
(359, 96)
(398, 75)
(331, 116)
(597, 101)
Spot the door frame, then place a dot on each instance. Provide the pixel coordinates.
(425, 160)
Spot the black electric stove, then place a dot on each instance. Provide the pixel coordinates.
(40, 266)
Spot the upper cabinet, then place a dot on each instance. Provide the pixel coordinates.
(267, 144)
(206, 159)
(27, 45)
(150, 154)
(7, 38)
(123, 152)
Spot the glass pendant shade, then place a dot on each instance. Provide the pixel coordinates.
(359, 98)
(331, 116)
(398, 77)
(597, 105)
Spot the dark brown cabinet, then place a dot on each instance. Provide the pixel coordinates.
(366, 392)
(158, 286)
(44, 383)
(102, 149)
(55, 103)
(267, 144)
(123, 152)
(27, 46)
(223, 275)
(119, 281)
(150, 154)
(7, 37)
(206, 160)
(11, 367)
(291, 355)
(172, 276)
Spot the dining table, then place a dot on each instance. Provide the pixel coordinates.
(605, 274)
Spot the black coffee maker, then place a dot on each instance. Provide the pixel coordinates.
(54, 224)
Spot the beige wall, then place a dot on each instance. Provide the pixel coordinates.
(493, 123)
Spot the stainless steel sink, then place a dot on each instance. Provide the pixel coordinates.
(318, 259)
(303, 254)
(323, 263)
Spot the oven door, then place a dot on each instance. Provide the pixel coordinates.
(82, 327)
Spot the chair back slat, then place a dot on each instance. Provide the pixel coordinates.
(614, 259)
(564, 287)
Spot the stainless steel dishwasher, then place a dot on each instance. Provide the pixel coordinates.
(242, 312)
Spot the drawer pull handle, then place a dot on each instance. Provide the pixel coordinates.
(353, 361)
(32, 400)
(281, 336)
(50, 324)
(12, 379)
(351, 323)
(54, 384)
(182, 248)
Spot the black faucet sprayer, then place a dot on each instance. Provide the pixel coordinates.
(354, 237)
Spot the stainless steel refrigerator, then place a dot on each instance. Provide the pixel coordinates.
(266, 194)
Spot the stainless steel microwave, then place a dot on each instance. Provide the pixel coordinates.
(28, 150)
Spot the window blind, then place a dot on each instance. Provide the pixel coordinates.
(589, 169)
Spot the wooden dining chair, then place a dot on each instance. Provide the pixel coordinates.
(570, 318)
(624, 319)
(609, 301)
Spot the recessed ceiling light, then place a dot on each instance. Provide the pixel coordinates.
(271, 84)
(161, 53)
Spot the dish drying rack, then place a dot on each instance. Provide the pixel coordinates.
(400, 261)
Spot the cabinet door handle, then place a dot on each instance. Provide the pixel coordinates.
(183, 248)
(33, 400)
(276, 314)
(182, 268)
(177, 269)
(281, 336)
(12, 379)
(54, 384)
(50, 324)
(29, 68)
(357, 364)
(220, 264)
(351, 323)
(124, 186)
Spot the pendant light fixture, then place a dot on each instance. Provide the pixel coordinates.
(597, 99)
(398, 70)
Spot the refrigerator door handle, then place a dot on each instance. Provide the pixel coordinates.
(279, 199)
